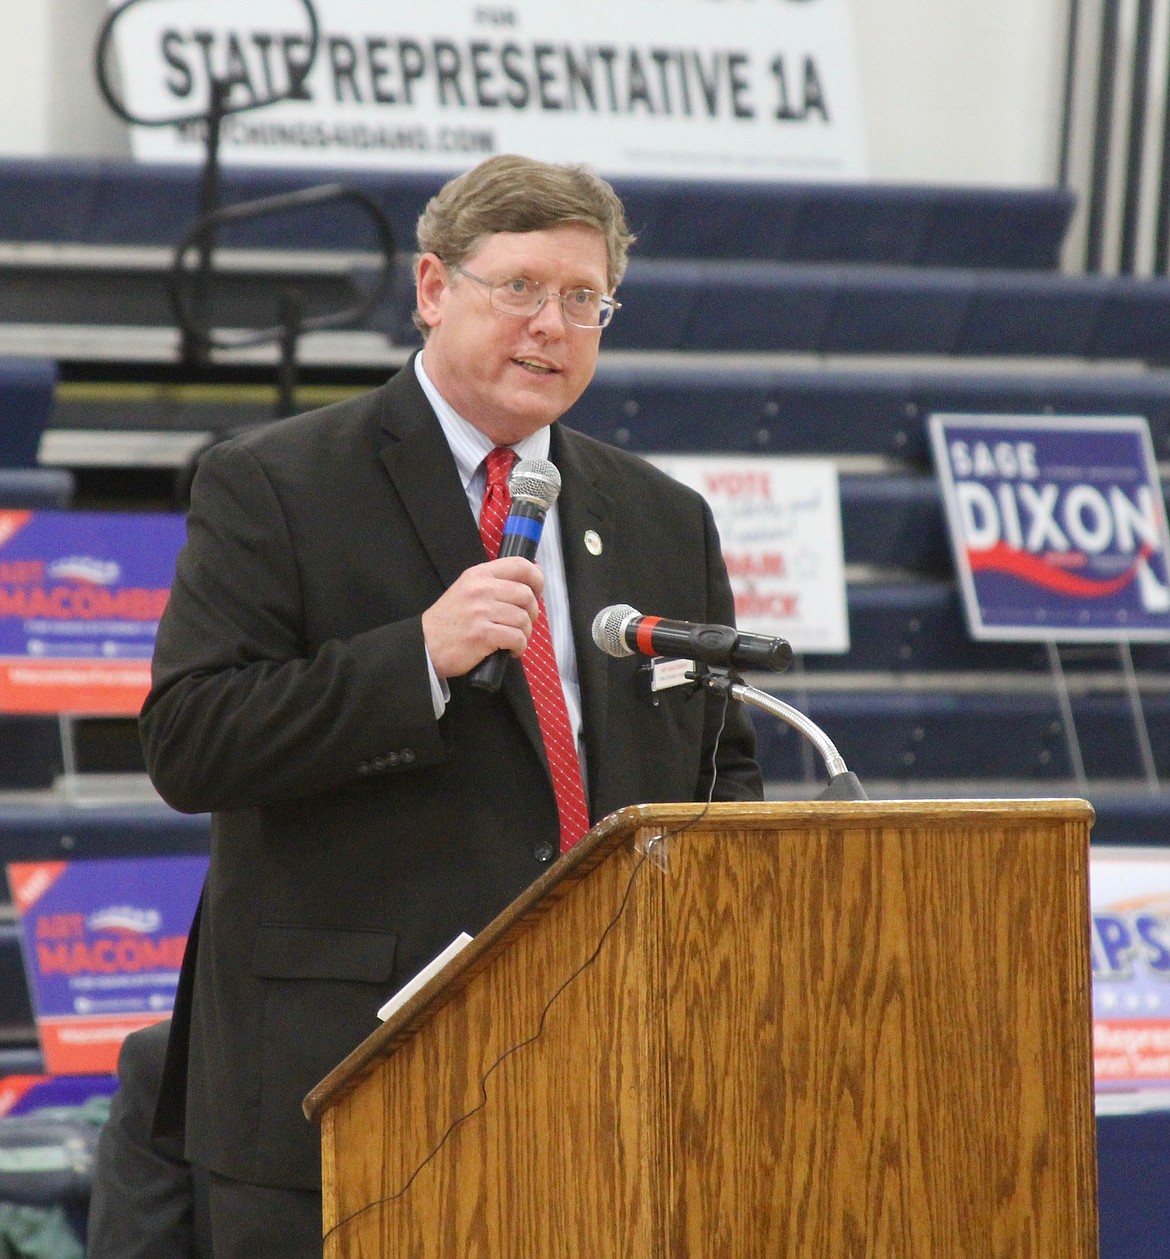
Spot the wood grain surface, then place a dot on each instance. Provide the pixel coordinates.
(795, 1030)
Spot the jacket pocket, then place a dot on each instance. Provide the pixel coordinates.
(338, 953)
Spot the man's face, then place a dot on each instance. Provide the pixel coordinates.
(507, 375)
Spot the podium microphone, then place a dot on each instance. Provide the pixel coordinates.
(621, 631)
(534, 485)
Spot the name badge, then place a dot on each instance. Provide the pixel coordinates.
(666, 673)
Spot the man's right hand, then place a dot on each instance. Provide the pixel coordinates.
(491, 606)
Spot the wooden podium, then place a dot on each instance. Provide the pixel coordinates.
(798, 1030)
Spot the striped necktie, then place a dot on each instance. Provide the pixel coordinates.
(540, 667)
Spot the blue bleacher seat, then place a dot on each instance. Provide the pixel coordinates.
(47, 830)
(16, 1015)
(32, 751)
(743, 307)
(1137, 818)
(708, 407)
(36, 489)
(26, 401)
(918, 626)
(85, 201)
(894, 520)
(909, 735)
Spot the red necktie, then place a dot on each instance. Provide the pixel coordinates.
(540, 667)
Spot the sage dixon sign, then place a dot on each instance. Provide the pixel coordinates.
(1058, 526)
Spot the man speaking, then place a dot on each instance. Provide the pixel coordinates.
(311, 677)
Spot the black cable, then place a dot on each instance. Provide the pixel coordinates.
(298, 74)
(568, 982)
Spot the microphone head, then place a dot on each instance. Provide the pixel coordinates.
(535, 480)
(609, 629)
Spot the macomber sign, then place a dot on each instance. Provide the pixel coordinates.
(103, 942)
(719, 89)
(81, 594)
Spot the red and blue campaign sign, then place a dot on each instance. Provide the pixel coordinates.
(1131, 969)
(103, 942)
(81, 594)
(1058, 526)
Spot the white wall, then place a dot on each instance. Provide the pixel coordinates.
(79, 120)
(955, 91)
(962, 92)
(49, 102)
(24, 61)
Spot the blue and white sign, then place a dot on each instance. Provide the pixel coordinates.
(1131, 968)
(103, 942)
(1058, 526)
(81, 594)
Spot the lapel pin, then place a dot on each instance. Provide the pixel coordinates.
(592, 542)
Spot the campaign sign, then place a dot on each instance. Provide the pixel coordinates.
(26, 1094)
(779, 524)
(1130, 891)
(671, 89)
(1057, 524)
(102, 942)
(81, 594)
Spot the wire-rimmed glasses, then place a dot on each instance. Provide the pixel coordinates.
(523, 298)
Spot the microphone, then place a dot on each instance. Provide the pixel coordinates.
(621, 631)
(534, 485)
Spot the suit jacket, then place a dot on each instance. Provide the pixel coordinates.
(353, 834)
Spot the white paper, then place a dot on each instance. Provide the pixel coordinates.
(429, 971)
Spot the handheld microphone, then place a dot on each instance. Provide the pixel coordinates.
(534, 485)
(621, 631)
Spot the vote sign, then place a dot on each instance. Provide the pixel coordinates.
(1057, 524)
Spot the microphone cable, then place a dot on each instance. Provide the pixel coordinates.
(571, 979)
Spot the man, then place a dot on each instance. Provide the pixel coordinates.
(146, 1202)
(310, 679)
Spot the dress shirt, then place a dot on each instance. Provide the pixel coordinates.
(470, 449)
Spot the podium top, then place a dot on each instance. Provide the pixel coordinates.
(625, 825)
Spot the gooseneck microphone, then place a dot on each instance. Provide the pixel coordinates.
(534, 485)
(621, 631)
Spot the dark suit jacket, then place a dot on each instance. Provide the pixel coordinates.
(353, 834)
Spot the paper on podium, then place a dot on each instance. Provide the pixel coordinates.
(431, 969)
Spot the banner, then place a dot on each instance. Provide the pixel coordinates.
(779, 524)
(1131, 968)
(708, 89)
(81, 594)
(102, 943)
(1058, 526)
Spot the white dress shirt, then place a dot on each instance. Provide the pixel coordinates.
(471, 448)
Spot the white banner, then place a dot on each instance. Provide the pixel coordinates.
(779, 525)
(711, 89)
(1131, 965)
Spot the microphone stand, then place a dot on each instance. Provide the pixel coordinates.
(843, 783)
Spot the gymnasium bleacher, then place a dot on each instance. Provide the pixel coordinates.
(826, 320)
(773, 319)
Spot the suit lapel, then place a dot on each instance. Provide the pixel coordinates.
(419, 462)
(420, 465)
(586, 510)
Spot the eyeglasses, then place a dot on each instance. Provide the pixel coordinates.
(582, 307)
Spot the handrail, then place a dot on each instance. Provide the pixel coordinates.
(323, 194)
(298, 75)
